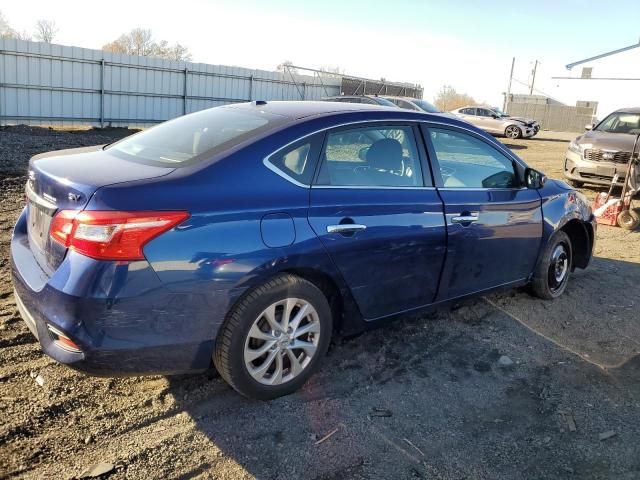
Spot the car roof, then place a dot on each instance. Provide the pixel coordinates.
(302, 109)
(628, 110)
(299, 111)
(408, 99)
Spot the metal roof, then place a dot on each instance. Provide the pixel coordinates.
(602, 55)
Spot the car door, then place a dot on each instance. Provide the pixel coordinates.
(494, 224)
(489, 122)
(469, 115)
(376, 212)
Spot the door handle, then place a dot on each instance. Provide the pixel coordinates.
(464, 219)
(345, 228)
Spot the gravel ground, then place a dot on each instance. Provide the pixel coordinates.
(427, 397)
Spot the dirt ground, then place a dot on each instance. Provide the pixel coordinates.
(426, 397)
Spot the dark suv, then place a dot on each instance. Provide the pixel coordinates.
(604, 150)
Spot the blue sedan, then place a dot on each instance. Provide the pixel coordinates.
(245, 235)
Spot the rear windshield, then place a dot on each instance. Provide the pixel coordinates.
(196, 136)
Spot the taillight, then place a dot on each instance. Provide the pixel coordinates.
(108, 235)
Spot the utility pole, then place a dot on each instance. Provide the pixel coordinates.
(504, 104)
(533, 80)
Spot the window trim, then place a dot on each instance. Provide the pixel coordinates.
(427, 177)
(518, 165)
(424, 146)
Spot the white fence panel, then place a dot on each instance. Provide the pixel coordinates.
(46, 84)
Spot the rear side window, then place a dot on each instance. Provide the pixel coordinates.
(380, 156)
(196, 136)
(467, 162)
(298, 161)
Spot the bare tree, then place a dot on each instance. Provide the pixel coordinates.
(46, 30)
(6, 31)
(449, 99)
(287, 65)
(139, 41)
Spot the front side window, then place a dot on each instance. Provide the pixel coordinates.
(380, 156)
(186, 139)
(468, 162)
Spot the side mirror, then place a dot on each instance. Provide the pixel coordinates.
(494, 115)
(588, 127)
(534, 179)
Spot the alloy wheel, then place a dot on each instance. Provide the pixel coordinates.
(282, 341)
(512, 131)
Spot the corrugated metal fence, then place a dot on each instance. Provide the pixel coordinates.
(46, 84)
(559, 118)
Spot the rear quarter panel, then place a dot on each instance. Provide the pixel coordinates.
(221, 250)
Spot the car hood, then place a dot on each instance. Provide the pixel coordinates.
(606, 140)
(520, 119)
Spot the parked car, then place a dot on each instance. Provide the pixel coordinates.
(245, 234)
(365, 99)
(604, 150)
(492, 122)
(528, 121)
(416, 104)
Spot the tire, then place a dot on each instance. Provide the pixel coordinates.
(575, 183)
(628, 219)
(512, 131)
(552, 273)
(255, 354)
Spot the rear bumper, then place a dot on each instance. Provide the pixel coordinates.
(119, 314)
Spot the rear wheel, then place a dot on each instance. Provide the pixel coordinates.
(513, 132)
(274, 338)
(628, 219)
(554, 267)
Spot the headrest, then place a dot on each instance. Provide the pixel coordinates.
(385, 154)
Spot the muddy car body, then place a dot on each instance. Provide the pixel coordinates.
(246, 234)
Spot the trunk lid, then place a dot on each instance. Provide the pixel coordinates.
(66, 180)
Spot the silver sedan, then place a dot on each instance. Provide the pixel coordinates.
(492, 122)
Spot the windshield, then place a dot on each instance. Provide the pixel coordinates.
(179, 141)
(620, 122)
(426, 106)
(500, 112)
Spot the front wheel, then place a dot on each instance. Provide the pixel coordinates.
(554, 267)
(274, 338)
(576, 183)
(513, 132)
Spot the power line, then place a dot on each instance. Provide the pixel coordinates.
(536, 90)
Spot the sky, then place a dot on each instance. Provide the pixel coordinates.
(466, 44)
